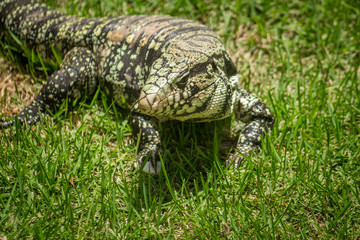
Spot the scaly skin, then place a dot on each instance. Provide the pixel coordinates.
(160, 67)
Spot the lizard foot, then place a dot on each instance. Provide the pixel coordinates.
(235, 159)
(148, 161)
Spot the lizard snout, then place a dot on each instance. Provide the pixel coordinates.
(148, 102)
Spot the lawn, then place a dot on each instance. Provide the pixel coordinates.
(73, 177)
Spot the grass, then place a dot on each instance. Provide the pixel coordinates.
(72, 176)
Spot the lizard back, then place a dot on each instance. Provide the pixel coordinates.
(125, 47)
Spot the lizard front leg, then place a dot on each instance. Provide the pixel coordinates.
(76, 72)
(145, 130)
(258, 119)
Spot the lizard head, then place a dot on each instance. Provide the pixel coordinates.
(186, 85)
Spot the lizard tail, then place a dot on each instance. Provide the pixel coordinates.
(32, 22)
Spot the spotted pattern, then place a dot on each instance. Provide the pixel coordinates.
(161, 68)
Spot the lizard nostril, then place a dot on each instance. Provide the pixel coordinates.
(148, 102)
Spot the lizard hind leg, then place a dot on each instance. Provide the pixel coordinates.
(76, 72)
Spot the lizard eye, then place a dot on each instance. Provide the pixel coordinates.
(183, 81)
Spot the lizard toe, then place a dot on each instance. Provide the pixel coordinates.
(235, 159)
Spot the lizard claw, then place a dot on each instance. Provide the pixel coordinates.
(152, 164)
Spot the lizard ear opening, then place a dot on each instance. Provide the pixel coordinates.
(214, 66)
(230, 68)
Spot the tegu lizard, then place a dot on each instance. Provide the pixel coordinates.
(160, 67)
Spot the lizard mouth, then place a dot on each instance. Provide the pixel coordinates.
(153, 103)
(175, 105)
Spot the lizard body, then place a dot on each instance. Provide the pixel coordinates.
(161, 68)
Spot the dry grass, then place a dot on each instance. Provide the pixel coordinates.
(17, 90)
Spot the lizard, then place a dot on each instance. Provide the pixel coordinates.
(159, 67)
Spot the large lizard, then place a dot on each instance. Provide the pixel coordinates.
(160, 67)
